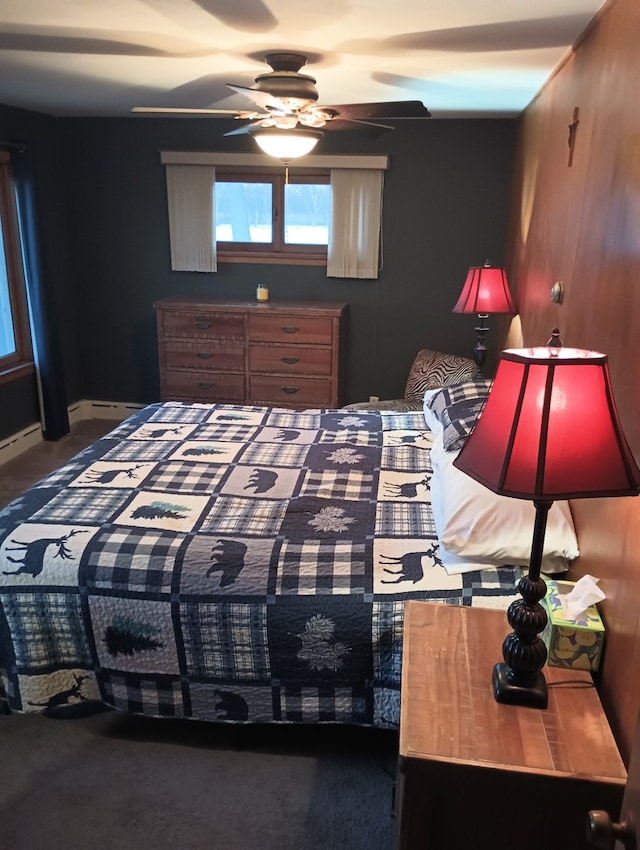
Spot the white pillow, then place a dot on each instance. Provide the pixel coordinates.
(433, 423)
(477, 528)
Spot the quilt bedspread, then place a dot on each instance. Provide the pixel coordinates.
(227, 563)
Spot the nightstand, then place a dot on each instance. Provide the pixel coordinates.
(473, 773)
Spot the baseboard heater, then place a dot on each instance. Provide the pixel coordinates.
(16, 444)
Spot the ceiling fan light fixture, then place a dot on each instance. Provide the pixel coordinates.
(286, 144)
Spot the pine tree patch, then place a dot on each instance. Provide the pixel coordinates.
(125, 636)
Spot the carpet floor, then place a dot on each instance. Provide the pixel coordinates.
(116, 782)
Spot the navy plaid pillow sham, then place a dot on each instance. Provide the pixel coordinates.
(457, 408)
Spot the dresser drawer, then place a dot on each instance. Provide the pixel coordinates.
(203, 324)
(205, 354)
(203, 386)
(291, 329)
(291, 391)
(290, 360)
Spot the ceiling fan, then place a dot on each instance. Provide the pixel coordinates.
(288, 114)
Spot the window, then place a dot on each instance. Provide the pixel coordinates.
(242, 208)
(15, 349)
(259, 214)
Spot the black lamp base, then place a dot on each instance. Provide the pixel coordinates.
(533, 695)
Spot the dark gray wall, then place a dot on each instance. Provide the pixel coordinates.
(445, 204)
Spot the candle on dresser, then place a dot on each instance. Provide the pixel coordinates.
(262, 292)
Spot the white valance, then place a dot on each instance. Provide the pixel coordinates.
(380, 161)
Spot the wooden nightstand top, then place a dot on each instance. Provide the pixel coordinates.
(449, 714)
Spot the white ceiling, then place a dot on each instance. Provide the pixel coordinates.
(461, 58)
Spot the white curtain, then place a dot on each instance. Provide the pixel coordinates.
(191, 217)
(356, 215)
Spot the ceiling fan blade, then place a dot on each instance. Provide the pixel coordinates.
(262, 98)
(180, 110)
(390, 110)
(246, 128)
(366, 129)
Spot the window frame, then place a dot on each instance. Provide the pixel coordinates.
(277, 251)
(20, 361)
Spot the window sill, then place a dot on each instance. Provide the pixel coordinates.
(273, 259)
(19, 370)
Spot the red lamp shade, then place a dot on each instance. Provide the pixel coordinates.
(485, 291)
(550, 429)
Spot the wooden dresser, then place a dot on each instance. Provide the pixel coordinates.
(274, 353)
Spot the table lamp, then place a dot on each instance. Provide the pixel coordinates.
(549, 431)
(485, 291)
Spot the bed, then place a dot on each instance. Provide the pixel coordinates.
(229, 563)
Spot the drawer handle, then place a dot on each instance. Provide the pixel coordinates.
(290, 329)
(289, 359)
(204, 355)
(290, 390)
(202, 325)
(204, 385)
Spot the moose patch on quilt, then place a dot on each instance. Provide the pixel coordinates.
(227, 563)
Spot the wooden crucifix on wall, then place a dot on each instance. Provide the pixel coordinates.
(572, 134)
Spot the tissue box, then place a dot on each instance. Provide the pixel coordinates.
(571, 642)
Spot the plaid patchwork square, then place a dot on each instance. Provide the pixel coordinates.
(407, 421)
(160, 696)
(140, 451)
(406, 458)
(132, 559)
(324, 704)
(47, 629)
(225, 640)
(386, 632)
(275, 454)
(235, 516)
(175, 411)
(405, 519)
(179, 477)
(224, 431)
(290, 419)
(348, 484)
(82, 505)
(491, 588)
(317, 567)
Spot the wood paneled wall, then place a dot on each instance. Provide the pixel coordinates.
(580, 224)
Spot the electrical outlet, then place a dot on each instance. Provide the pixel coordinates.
(374, 398)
